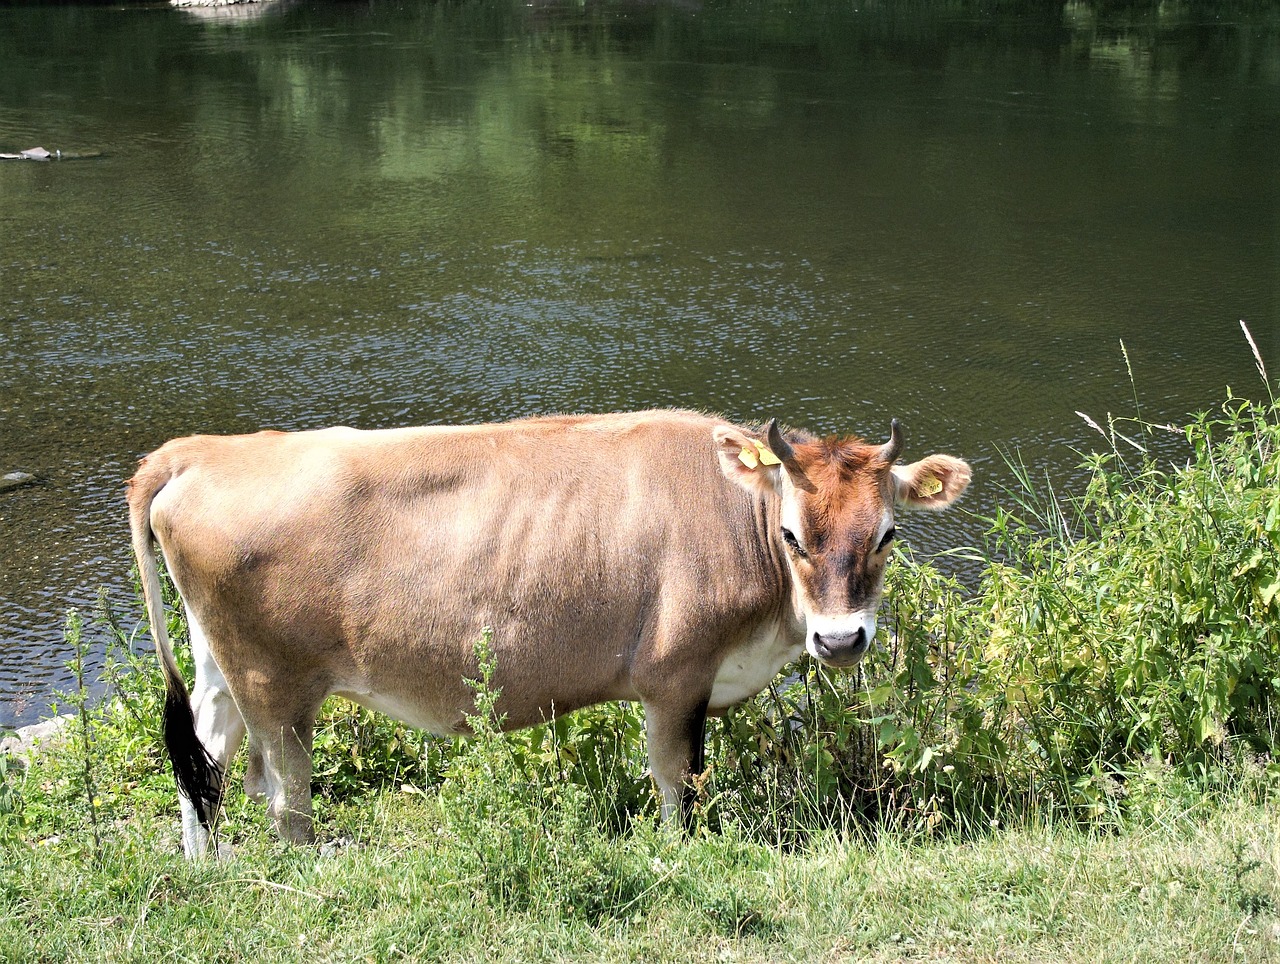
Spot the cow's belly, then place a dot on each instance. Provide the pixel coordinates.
(415, 714)
(750, 667)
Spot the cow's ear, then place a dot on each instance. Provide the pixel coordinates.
(932, 483)
(747, 460)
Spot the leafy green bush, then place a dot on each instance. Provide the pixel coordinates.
(1116, 653)
(1128, 636)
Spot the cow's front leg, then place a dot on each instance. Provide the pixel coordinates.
(676, 733)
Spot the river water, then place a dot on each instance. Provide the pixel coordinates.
(389, 213)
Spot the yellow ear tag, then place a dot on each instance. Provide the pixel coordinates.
(748, 458)
(928, 486)
(766, 455)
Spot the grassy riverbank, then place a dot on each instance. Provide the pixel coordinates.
(504, 861)
(1200, 887)
(1073, 758)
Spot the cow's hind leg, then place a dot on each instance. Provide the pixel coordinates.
(279, 706)
(220, 729)
(255, 779)
(286, 776)
(676, 736)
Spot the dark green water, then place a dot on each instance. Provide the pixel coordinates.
(380, 213)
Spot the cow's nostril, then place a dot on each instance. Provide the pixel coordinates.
(841, 640)
(835, 646)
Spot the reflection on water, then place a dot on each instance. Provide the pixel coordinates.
(377, 214)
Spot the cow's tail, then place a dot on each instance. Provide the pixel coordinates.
(198, 775)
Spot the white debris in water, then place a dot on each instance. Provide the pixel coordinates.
(14, 479)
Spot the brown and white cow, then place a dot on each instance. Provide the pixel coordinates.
(667, 557)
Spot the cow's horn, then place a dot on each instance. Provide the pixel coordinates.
(891, 449)
(777, 443)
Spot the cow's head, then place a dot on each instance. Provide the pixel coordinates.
(835, 524)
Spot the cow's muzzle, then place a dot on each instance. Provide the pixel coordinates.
(840, 649)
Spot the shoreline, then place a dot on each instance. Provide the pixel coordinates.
(25, 741)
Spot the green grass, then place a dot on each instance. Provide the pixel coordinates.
(1202, 886)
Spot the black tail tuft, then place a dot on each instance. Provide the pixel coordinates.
(198, 775)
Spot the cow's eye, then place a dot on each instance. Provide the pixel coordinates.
(793, 543)
(888, 538)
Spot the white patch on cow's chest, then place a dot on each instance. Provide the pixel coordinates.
(749, 667)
